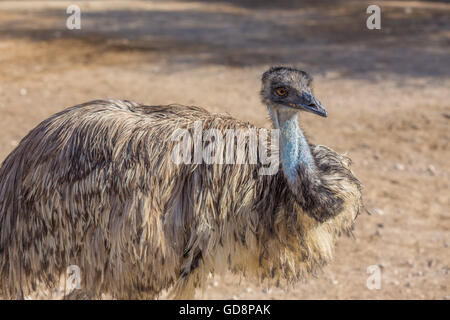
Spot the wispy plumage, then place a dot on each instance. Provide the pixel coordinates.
(94, 186)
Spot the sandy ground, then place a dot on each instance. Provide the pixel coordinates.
(387, 93)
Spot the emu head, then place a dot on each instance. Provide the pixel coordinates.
(286, 91)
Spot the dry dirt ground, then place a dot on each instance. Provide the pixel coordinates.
(387, 93)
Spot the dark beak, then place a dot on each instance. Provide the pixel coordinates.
(309, 103)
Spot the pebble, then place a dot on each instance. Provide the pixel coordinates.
(431, 170)
(377, 211)
(383, 265)
(249, 290)
(23, 92)
(400, 167)
(215, 283)
(234, 298)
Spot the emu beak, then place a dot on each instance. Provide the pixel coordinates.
(309, 103)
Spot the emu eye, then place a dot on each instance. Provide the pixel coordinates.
(282, 92)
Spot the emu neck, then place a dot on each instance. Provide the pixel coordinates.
(294, 148)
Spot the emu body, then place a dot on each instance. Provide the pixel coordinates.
(94, 186)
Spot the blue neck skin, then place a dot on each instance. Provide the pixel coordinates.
(294, 149)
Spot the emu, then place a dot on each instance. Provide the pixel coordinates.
(94, 186)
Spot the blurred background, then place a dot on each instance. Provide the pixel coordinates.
(387, 93)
